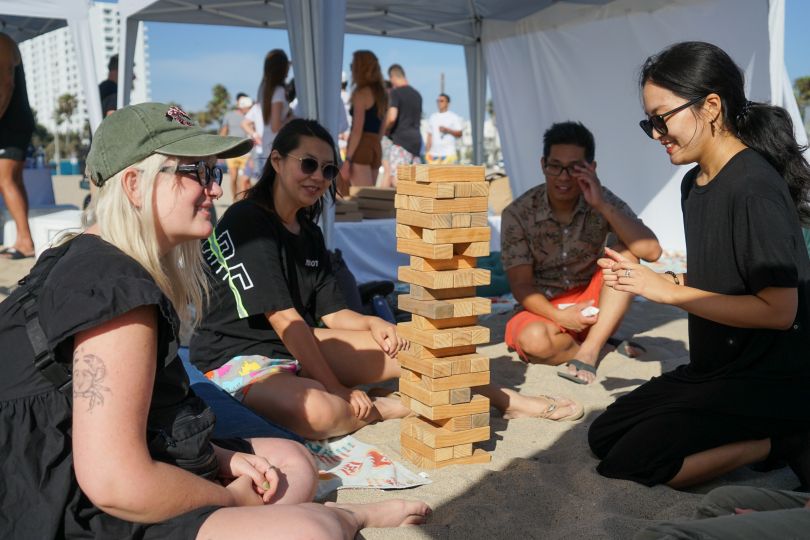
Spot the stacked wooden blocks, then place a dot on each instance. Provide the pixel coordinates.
(442, 224)
(374, 202)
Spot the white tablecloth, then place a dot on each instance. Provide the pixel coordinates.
(370, 248)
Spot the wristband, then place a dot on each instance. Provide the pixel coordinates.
(348, 159)
(674, 276)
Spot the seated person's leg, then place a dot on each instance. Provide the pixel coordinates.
(727, 500)
(303, 406)
(772, 514)
(298, 474)
(538, 340)
(613, 305)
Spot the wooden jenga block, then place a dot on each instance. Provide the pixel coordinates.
(478, 404)
(434, 191)
(479, 219)
(420, 351)
(449, 337)
(419, 263)
(479, 364)
(480, 420)
(460, 220)
(435, 436)
(448, 173)
(425, 323)
(435, 454)
(405, 172)
(429, 221)
(473, 249)
(470, 189)
(456, 423)
(441, 397)
(410, 232)
(428, 251)
(436, 367)
(444, 279)
(421, 293)
(478, 457)
(455, 236)
(441, 206)
(435, 384)
(444, 309)
(369, 192)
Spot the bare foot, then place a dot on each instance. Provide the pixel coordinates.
(390, 407)
(548, 407)
(394, 513)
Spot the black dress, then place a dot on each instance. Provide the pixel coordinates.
(742, 235)
(90, 282)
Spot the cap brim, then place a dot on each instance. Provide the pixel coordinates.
(208, 144)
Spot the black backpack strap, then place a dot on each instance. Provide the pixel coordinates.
(44, 358)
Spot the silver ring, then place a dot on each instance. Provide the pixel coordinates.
(627, 273)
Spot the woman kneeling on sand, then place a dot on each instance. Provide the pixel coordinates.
(742, 398)
(118, 446)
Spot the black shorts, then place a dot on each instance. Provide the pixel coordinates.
(13, 153)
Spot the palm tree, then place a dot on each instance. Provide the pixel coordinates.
(65, 108)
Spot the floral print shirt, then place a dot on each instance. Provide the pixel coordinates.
(563, 257)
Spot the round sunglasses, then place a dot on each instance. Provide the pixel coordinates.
(200, 171)
(658, 122)
(310, 165)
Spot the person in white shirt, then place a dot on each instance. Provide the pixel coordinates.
(445, 128)
(271, 110)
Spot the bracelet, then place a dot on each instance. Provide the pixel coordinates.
(674, 276)
(348, 159)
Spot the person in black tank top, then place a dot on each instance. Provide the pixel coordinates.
(369, 105)
(742, 398)
(16, 128)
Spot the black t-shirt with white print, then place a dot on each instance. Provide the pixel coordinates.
(258, 266)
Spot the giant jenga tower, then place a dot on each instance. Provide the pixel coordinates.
(442, 224)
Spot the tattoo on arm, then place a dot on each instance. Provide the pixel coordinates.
(88, 375)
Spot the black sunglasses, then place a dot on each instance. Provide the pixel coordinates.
(202, 172)
(310, 165)
(555, 169)
(658, 122)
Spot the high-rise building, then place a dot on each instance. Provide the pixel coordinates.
(51, 70)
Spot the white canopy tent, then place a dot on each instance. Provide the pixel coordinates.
(24, 20)
(549, 60)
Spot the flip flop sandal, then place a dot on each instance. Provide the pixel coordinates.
(14, 254)
(621, 346)
(581, 366)
(579, 410)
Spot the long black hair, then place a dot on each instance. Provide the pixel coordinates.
(694, 69)
(286, 141)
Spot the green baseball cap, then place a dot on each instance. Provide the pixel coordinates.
(136, 132)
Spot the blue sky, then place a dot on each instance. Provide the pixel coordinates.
(187, 60)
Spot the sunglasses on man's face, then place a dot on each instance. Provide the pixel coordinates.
(310, 165)
(200, 171)
(658, 122)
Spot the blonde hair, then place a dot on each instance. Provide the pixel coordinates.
(180, 274)
(366, 72)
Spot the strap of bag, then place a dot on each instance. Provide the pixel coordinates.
(44, 358)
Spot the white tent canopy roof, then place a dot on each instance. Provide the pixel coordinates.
(25, 20)
(445, 21)
(527, 45)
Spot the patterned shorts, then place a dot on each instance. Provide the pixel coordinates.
(399, 156)
(240, 372)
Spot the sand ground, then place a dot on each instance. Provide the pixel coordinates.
(541, 482)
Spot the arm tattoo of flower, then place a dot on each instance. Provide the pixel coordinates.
(88, 374)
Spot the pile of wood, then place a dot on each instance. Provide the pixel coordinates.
(442, 224)
(347, 210)
(374, 202)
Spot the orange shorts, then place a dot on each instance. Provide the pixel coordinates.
(580, 294)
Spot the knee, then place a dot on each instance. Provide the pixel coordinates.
(321, 413)
(598, 439)
(535, 341)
